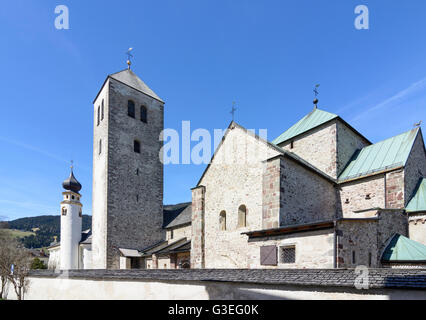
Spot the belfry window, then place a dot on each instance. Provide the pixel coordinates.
(242, 216)
(144, 114)
(131, 108)
(102, 110)
(136, 146)
(222, 221)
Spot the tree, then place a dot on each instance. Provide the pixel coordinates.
(12, 254)
(5, 260)
(22, 265)
(38, 264)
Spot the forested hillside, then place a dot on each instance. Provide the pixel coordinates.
(44, 228)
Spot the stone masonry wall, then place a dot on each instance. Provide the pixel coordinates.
(273, 193)
(318, 147)
(234, 178)
(359, 238)
(415, 167)
(348, 142)
(390, 222)
(395, 189)
(353, 195)
(314, 249)
(100, 178)
(306, 196)
(184, 231)
(417, 228)
(135, 180)
(198, 228)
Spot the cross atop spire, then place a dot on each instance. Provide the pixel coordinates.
(129, 56)
(233, 110)
(316, 94)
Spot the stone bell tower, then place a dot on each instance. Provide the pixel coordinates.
(127, 169)
(71, 222)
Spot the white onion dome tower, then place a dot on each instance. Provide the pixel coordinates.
(71, 223)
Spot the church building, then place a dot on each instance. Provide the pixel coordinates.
(320, 195)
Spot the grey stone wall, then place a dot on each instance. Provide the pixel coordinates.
(318, 147)
(132, 208)
(307, 197)
(395, 189)
(348, 142)
(415, 167)
(198, 229)
(359, 238)
(362, 194)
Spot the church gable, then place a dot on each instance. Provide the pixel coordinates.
(415, 167)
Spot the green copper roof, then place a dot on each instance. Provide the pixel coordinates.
(401, 248)
(314, 119)
(387, 154)
(418, 201)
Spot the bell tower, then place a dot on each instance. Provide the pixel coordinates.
(127, 169)
(71, 221)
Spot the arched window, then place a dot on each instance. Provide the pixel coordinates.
(99, 114)
(222, 221)
(144, 114)
(100, 146)
(136, 146)
(242, 216)
(131, 108)
(102, 110)
(80, 213)
(64, 211)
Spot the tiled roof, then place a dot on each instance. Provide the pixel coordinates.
(378, 278)
(129, 78)
(402, 249)
(177, 215)
(418, 201)
(388, 154)
(130, 253)
(312, 120)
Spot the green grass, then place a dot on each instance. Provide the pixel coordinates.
(17, 233)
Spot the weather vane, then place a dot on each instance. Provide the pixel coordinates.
(233, 110)
(129, 56)
(418, 124)
(316, 94)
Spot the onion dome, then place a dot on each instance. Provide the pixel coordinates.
(71, 183)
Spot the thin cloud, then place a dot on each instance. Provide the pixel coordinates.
(40, 151)
(397, 98)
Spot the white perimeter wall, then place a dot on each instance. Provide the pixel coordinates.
(64, 288)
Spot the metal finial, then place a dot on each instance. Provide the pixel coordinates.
(129, 56)
(418, 124)
(72, 164)
(233, 110)
(316, 94)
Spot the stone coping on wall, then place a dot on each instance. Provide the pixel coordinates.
(377, 278)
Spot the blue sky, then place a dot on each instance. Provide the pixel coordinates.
(198, 56)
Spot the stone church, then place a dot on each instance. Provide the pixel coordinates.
(320, 195)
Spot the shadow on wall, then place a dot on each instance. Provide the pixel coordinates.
(415, 282)
(218, 291)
